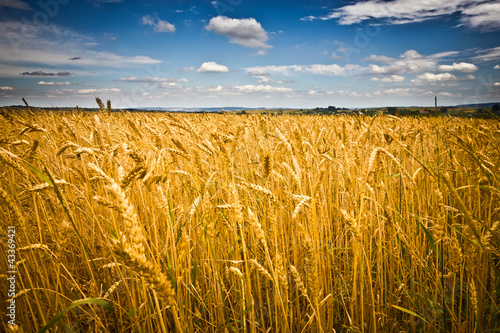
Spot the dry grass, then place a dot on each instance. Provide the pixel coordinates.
(222, 223)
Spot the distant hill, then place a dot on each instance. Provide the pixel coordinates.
(200, 109)
(477, 106)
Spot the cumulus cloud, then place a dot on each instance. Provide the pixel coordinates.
(431, 77)
(475, 14)
(409, 62)
(413, 62)
(212, 67)
(247, 32)
(442, 77)
(462, 67)
(17, 4)
(391, 78)
(157, 24)
(41, 73)
(6, 88)
(496, 67)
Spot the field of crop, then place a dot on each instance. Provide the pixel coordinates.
(156, 222)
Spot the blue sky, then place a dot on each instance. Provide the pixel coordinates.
(249, 53)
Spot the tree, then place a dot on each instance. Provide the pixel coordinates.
(495, 108)
(391, 110)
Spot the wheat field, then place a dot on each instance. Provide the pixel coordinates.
(158, 222)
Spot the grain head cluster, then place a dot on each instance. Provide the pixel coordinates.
(161, 222)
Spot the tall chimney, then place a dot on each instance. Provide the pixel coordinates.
(435, 103)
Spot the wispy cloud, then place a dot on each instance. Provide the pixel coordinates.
(250, 88)
(52, 83)
(262, 76)
(149, 79)
(393, 91)
(158, 24)
(475, 14)
(85, 92)
(484, 16)
(53, 46)
(42, 73)
(492, 54)
(17, 4)
(320, 69)
(6, 88)
(247, 32)
(99, 3)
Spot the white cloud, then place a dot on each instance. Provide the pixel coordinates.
(250, 88)
(462, 67)
(170, 85)
(413, 62)
(151, 79)
(213, 89)
(284, 70)
(335, 56)
(380, 59)
(444, 54)
(187, 69)
(6, 88)
(17, 4)
(330, 70)
(497, 84)
(410, 62)
(474, 13)
(212, 67)
(391, 92)
(431, 77)
(496, 67)
(52, 83)
(443, 77)
(391, 78)
(157, 24)
(247, 32)
(492, 54)
(50, 46)
(262, 76)
(86, 92)
(260, 53)
(483, 16)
